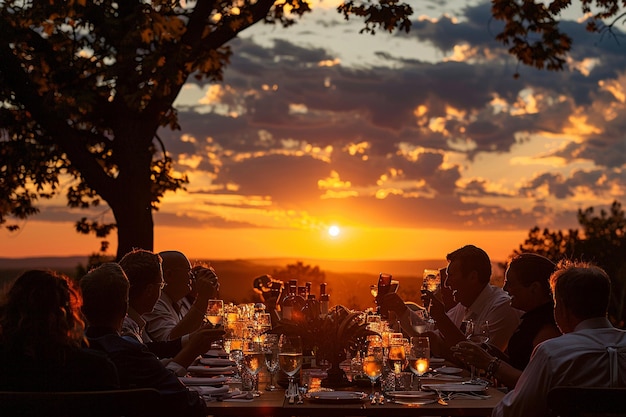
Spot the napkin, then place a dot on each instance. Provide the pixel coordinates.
(210, 391)
(216, 362)
(237, 395)
(213, 370)
(216, 353)
(217, 380)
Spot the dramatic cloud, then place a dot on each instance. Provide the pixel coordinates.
(294, 132)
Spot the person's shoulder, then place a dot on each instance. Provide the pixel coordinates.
(91, 354)
(87, 358)
(112, 343)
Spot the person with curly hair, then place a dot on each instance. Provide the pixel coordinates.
(42, 339)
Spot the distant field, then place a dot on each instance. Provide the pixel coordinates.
(348, 281)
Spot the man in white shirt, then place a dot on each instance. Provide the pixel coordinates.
(169, 319)
(590, 353)
(468, 276)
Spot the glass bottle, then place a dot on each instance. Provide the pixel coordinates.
(324, 300)
(290, 300)
(311, 309)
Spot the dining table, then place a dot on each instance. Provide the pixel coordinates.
(275, 404)
(444, 393)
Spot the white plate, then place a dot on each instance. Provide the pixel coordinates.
(406, 395)
(443, 377)
(337, 396)
(448, 370)
(437, 360)
(455, 387)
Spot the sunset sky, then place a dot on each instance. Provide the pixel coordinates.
(412, 144)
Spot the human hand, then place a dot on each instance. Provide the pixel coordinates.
(207, 283)
(393, 302)
(471, 354)
(200, 341)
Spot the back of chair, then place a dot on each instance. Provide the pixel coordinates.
(144, 402)
(587, 401)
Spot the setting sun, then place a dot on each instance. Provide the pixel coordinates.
(334, 230)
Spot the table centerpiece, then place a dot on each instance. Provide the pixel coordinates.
(329, 337)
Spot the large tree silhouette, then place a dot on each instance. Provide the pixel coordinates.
(602, 241)
(86, 84)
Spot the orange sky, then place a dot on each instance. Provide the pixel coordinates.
(59, 239)
(414, 144)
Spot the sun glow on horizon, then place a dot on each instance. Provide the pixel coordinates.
(334, 230)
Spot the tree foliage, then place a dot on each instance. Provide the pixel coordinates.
(86, 84)
(532, 33)
(531, 27)
(389, 15)
(301, 272)
(601, 241)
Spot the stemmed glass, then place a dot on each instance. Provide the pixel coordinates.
(396, 354)
(270, 348)
(431, 282)
(373, 359)
(374, 323)
(215, 312)
(290, 361)
(419, 321)
(419, 358)
(263, 322)
(477, 333)
(253, 359)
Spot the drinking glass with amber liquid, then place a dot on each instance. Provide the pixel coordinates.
(290, 362)
(419, 358)
(253, 359)
(373, 359)
(396, 354)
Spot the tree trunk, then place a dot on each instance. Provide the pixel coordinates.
(135, 226)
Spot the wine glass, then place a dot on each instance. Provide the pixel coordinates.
(270, 348)
(431, 282)
(419, 358)
(419, 322)
(290, 361)
(373, 359)
(396, 353)
(477, 333)
(215, 312)
(264, 322)
(253, 359)
(374, 323)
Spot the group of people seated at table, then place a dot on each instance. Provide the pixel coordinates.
(139, 324)
(57, 337)
(548, 326)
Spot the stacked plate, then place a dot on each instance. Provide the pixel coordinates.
(413, 397)
(201, 370)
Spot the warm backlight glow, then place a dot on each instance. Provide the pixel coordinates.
(334, 230)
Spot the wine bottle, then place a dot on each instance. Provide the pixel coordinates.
(324, 300)
(288, 303)
(311, 309)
